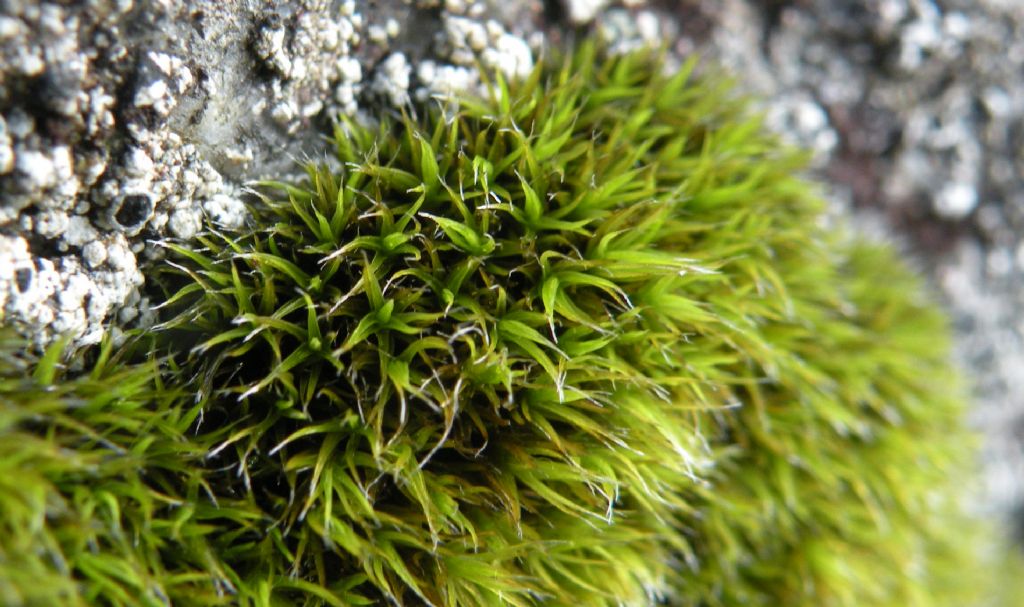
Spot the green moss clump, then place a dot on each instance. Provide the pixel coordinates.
(96, 476)
(583, 342)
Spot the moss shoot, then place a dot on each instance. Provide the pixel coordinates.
(581, 342)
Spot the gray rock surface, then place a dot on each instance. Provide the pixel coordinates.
(122, 123)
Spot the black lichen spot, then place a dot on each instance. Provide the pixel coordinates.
(554, 12)
(133, 211)
(199, 22)
(23, 278)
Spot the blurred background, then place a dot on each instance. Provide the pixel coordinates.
(915, 112)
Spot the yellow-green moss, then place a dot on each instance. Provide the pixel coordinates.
(583, 342)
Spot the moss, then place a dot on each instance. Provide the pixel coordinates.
(583, 342)
(94, 473)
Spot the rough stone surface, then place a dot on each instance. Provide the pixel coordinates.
(122, 123)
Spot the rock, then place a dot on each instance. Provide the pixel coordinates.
(392, 79)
